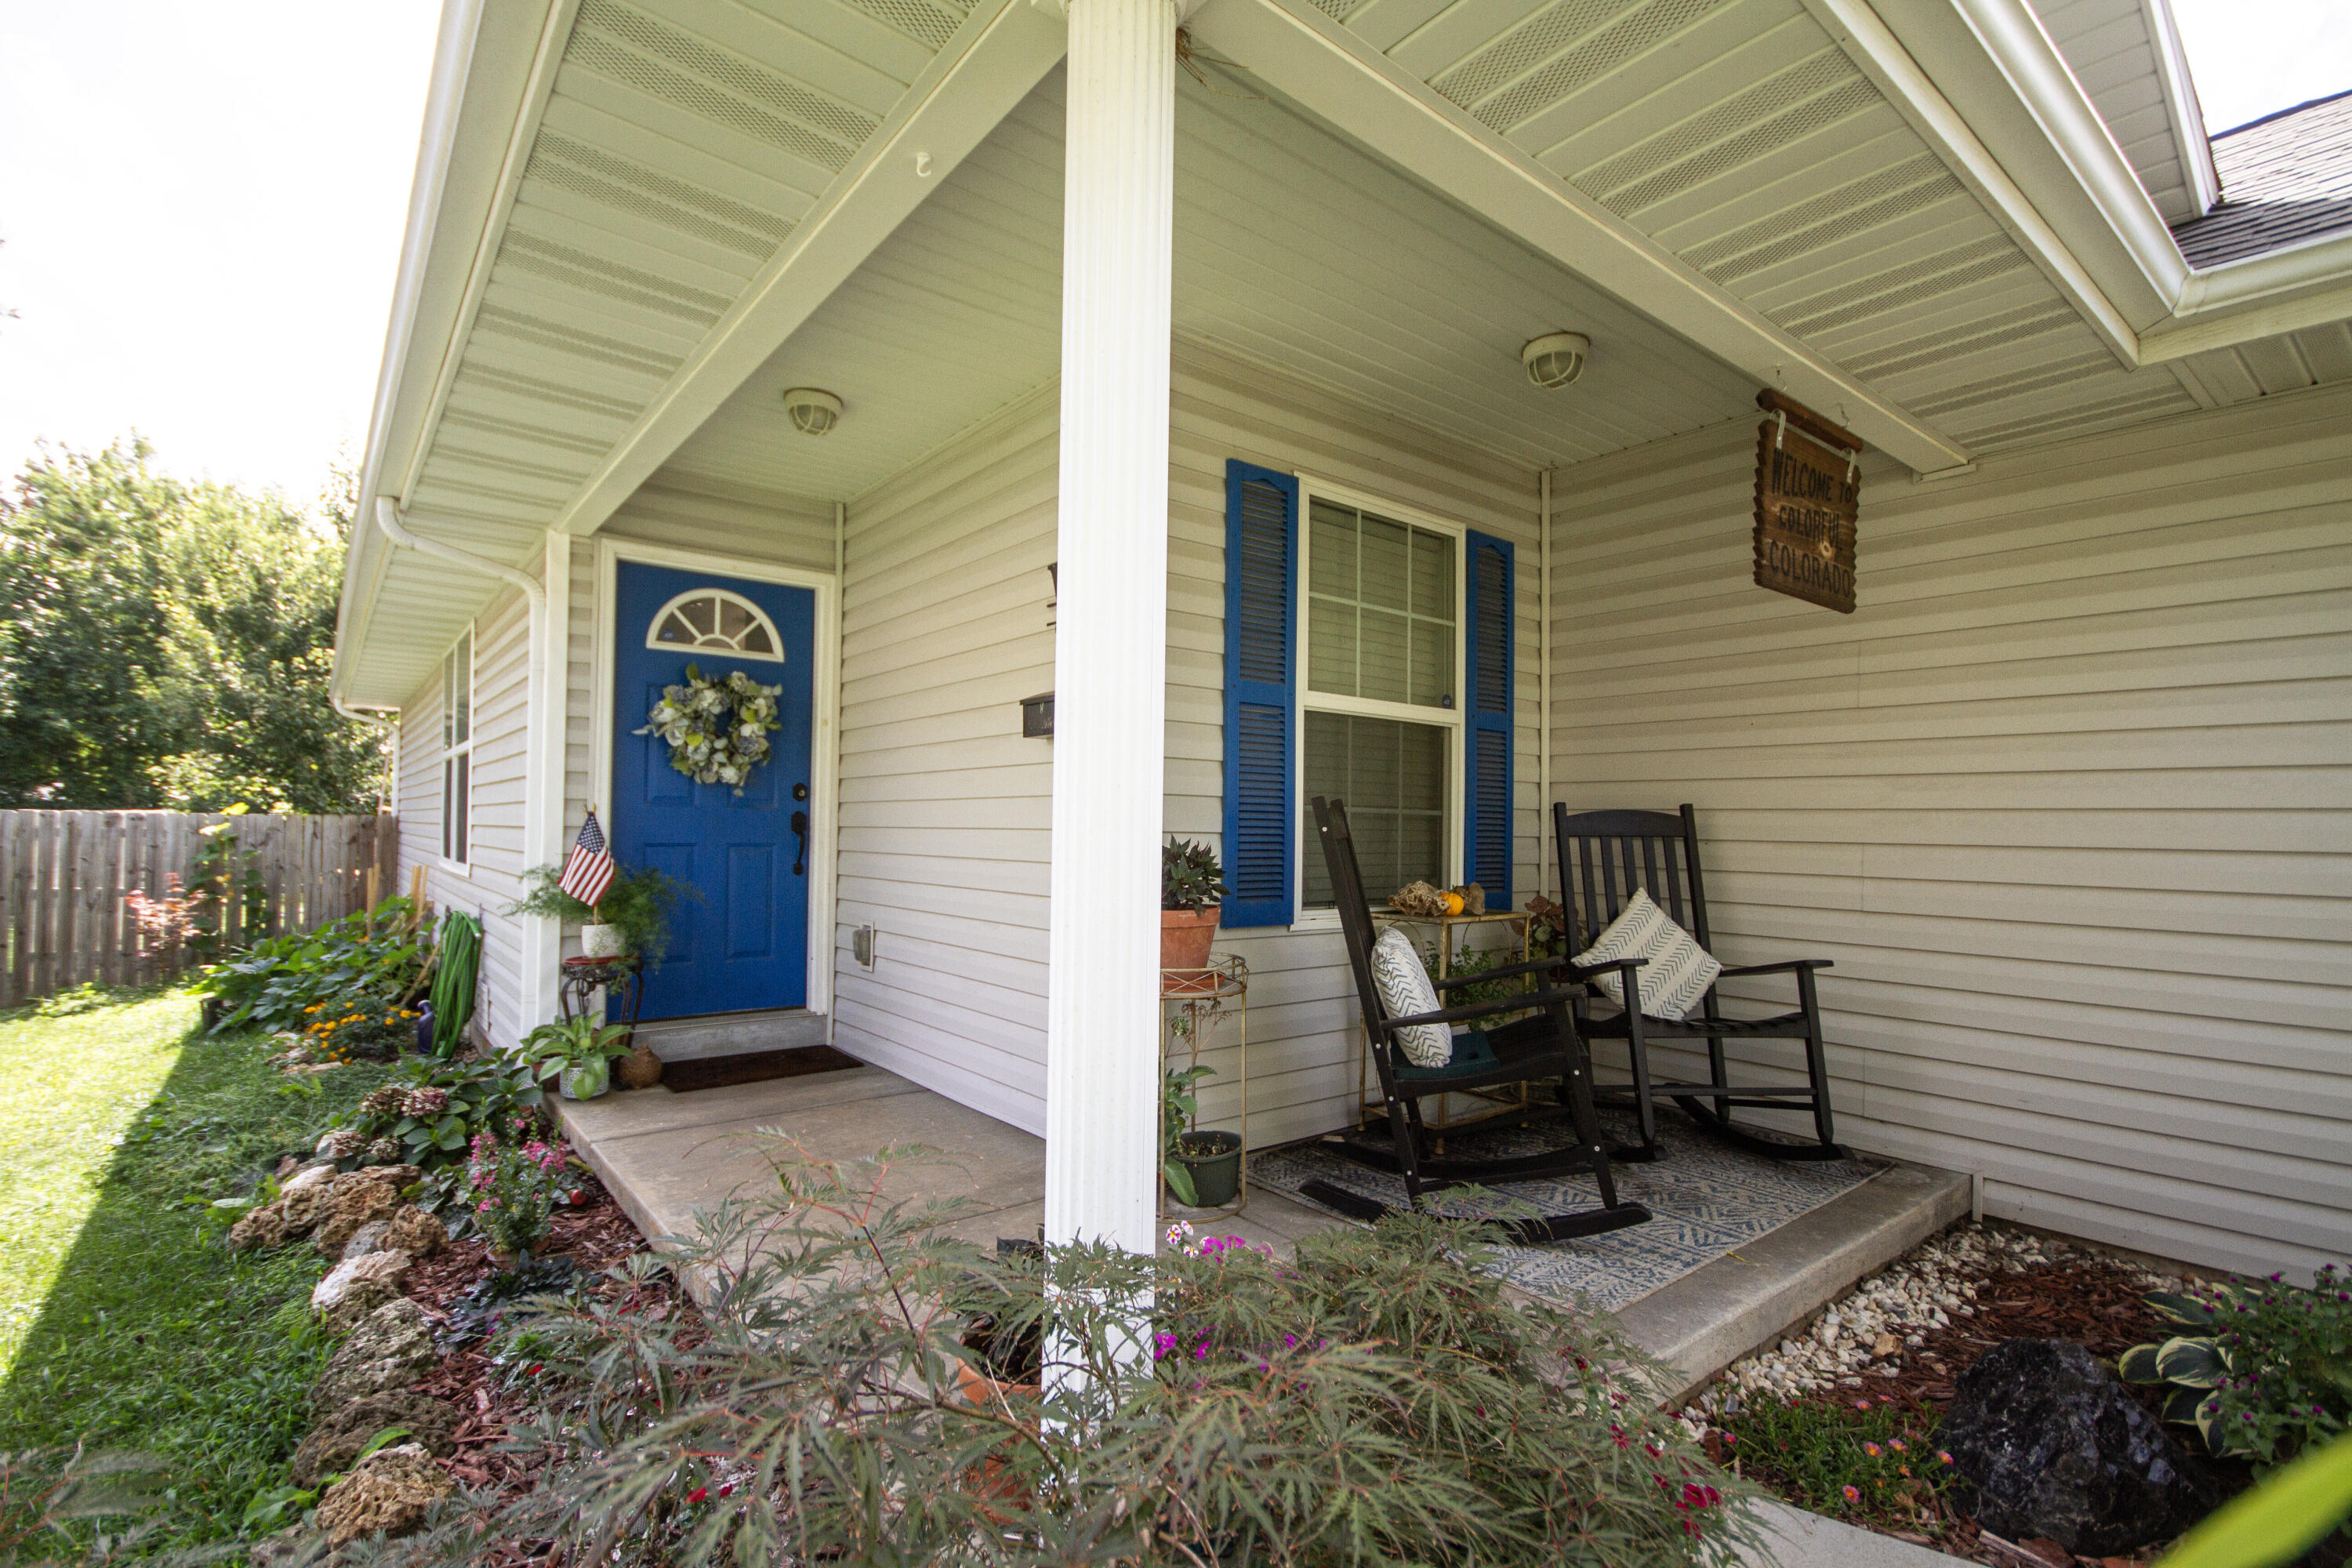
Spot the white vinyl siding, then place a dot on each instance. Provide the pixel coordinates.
(2065, 801)
(946, 810)
(490, 878)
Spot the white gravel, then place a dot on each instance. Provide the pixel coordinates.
(1865, 1335)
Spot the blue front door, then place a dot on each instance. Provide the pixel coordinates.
(744, 944)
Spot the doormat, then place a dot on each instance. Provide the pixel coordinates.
(1708, 1199)
(752, 1067)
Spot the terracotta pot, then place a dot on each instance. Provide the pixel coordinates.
(1184, 939)
(990, 1478)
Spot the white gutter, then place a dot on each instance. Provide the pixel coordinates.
(387, 519)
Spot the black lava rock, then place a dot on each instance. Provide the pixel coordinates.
(2047, 1441)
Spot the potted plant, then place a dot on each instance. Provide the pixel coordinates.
(1204, 1169)
(578, 1053)
(633, 916)
(1192, 893)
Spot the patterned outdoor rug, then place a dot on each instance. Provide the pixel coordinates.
(1708, 1199)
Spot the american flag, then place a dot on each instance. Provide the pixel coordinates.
(588, 869)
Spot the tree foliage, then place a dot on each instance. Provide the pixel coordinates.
(169, 643)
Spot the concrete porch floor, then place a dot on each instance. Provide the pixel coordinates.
(664, 1155)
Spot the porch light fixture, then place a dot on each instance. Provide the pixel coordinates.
(1555, 359)
(812, 413)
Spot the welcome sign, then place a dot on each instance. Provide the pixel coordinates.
(1808, 501)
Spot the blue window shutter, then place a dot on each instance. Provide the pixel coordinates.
(1487, 816)
(1261, 693)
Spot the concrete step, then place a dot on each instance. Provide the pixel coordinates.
(732, 1034)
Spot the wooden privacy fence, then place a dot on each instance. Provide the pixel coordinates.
(63, 875)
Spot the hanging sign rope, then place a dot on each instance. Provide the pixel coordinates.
(1808, 499)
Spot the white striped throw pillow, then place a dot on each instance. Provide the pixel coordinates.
(1678, 972)
(1402, 982)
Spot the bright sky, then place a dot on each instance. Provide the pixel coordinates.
(202, 208)
(2252, 58)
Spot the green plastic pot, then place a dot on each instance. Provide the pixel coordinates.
(1216, 1175)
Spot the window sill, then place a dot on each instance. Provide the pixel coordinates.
(1317, 921)
(454, 868)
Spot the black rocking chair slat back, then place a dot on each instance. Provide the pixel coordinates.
(1543, 1046)
(1604, 856)
(1615, 852)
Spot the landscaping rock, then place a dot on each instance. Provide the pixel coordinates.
(315, 1173)
(389, 1491)
(263, 1227)
(304, 1206)
(2048, 1442)
(369, 1237)
(334, 1444)
(414, 1231)
(354, 1289)
(390, 1350)
(351, 1202)
(399, 1178)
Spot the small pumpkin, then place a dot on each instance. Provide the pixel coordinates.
(1453, 903)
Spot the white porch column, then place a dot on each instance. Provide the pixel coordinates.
(1102, 1062)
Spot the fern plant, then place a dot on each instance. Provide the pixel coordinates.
(1376, 1400)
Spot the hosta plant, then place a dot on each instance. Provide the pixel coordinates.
(2264, 1369)
(431, 1108)
(1376, 1400)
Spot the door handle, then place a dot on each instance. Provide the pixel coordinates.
(800, 860)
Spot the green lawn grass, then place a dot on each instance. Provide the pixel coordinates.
(124, 1323)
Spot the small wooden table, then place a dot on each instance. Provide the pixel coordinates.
(1372, 1110)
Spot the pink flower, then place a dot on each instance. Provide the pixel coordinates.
(1852, 1493)
(698, 1493)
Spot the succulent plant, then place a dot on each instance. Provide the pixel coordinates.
(424, 1102)
(382, 1100)
(1190, 877)
(384, 1151)
(341, 1143)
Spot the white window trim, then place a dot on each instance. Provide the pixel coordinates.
(1310, 490)
(450, 752)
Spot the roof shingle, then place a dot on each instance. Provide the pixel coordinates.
(2285, 178)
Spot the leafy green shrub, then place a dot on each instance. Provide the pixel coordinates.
(288, 981)
(428, 1110)
(2270, 1376)
(1868, 1461)
(1190, 877)
(1375, 1401)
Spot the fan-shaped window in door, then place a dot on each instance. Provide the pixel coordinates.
(713, 620)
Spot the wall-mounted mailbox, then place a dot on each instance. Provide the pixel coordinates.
(1037, 715)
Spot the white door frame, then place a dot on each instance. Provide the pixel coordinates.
(824, 731)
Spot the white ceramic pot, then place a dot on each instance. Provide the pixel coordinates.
(602, 942)
(583, 1082)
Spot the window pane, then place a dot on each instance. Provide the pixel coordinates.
(1381, 656)
(1331, 647)
(448, 700)
(1382, 558)
(1331, 552)
(1392, 777)
(1433, 576)
(465, 804)
(449, 809)
(463, 679)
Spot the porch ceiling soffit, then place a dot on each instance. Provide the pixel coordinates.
(679, 184)
(1364, 78)
(1996, 69)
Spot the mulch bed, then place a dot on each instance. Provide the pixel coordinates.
(593, 1235)
(2093, 1301)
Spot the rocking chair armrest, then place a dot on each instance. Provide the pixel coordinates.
(1625, 966)
(1502, 972)
(1786, 966)
(1469, 1011)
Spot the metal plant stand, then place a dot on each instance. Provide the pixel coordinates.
(581, 978)
(1191, 1000)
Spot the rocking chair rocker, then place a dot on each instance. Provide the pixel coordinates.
(1544, 1046)
(1603, 857)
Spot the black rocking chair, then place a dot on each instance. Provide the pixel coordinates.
(1603, 857)
(1544, 1046)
